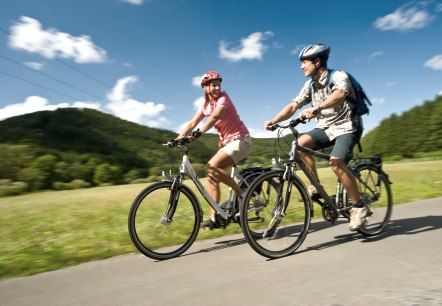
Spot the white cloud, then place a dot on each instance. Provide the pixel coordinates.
(34, 65)
(134, 2)
(434, 63)
(404, 19)
(198, 102)
(261, 133)
(27, 34)
(390, 84)
(251, 48)
(120, 104)
(297, 49)
(377, 101)
(123, 106)
(35, 104)
(196, 81)
(375, 54)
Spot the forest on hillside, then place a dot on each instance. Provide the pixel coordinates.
(409, 135)
(72, 148)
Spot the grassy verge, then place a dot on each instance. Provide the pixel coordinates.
(51, 230)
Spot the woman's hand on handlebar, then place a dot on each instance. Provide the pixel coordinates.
(180, 140)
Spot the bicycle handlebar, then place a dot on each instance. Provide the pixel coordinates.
(292, 123)
(178, 142)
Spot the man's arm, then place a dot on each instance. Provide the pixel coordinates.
(284, 114)
(336, 97)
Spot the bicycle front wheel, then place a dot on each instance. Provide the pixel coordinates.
(275, 225)
(374, 187)
(164, 222)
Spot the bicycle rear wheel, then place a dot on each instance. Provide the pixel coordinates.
(164, 223)
(375, 191)
(277, 226)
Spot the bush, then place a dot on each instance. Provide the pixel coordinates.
(106, 174)
(132, 175)
(15, 188)
(75, 184)
(5, 182)
(393, 158)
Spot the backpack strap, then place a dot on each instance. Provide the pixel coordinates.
(330, 81)
(330, 84)
(330, 78)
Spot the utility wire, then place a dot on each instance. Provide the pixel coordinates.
(85, 74)
(50, 77)
(71, 67)
(38, 85)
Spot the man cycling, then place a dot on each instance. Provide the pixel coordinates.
(337, 123)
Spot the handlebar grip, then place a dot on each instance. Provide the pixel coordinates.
(297, 121)
(197, 133)
(176, 142)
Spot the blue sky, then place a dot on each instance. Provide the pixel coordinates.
(139, 60)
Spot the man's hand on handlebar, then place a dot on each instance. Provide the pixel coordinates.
(309, 113)
(268, 125)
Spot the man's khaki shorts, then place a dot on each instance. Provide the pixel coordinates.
(239, 148)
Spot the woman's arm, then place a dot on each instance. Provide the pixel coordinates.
(217, 114)
(189, 126)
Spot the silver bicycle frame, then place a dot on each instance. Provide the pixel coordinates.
(187, 169)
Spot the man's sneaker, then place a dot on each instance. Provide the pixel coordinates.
(358, 217)
(209, 224)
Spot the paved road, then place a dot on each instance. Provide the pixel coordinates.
(332, 267)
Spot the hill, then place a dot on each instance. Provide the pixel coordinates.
(52, 149)
(71, 148)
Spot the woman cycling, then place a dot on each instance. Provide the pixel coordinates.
(235, 142)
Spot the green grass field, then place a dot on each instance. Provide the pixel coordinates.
(51, 230)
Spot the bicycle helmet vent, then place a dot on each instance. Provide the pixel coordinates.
(313, 51)
(210, 76)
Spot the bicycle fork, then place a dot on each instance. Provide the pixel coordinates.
(174, 196)
(278, 212)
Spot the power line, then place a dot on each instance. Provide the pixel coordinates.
(38, 85)
(51, 77)
(73, 68)
(85, 74)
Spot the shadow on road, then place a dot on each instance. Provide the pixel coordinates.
(220, 245)
(410, 226)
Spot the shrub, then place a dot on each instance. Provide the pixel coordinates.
(15, 188)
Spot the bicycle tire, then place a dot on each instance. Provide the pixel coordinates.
(265, 192)
(281, 237)
(153, 234)
(376, 192)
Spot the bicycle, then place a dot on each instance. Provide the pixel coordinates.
(164, 219)
(292, 215)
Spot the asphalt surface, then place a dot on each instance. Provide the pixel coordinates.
(403, 266)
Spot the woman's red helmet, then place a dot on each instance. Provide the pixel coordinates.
(210, 76)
